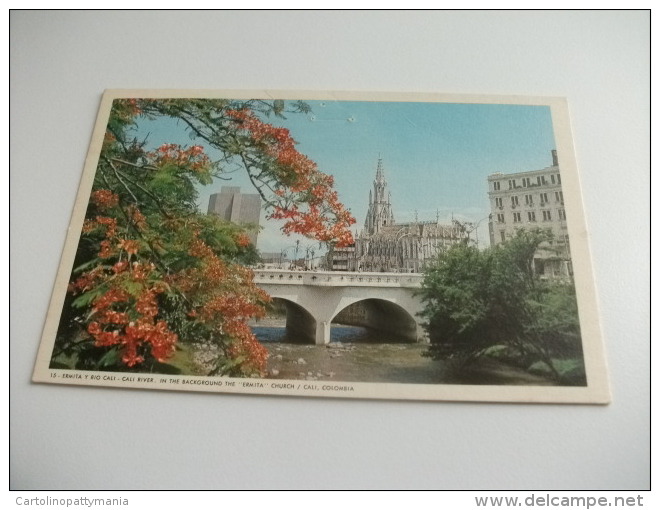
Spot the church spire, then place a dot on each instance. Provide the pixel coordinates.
(380, 179)
(380, 210)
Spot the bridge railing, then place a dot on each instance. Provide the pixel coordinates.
(337, 278)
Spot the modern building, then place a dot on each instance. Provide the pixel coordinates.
(527, 200)
(232, 205)
(273, 260)
(387, 246)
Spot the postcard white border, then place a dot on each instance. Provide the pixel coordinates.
(596, 392)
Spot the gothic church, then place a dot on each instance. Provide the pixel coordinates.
(387, 246)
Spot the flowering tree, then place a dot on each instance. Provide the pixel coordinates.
(151, 271)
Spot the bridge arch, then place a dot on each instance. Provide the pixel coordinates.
(300, 323)
(383, 315)
(323, 294)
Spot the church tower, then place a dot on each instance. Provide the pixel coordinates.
(380, 210)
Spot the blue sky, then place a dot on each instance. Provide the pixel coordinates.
(436, 156)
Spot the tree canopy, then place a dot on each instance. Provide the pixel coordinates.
(151, 270)
(491, 302)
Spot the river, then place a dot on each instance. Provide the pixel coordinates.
(357, 354)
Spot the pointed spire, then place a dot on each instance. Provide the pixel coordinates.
(379, 171)
(379, 213)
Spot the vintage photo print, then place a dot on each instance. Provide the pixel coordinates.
(352, 245)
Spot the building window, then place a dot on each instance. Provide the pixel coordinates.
(498, 202)
(516, 217)
(531, 216)
(552, 178)
(512, 183)
(514, 201)
(529, 200)
(500, 218)
(559, 196)
(526, 182)
(558, 179)
(502, 235)
(562, 214)
(544, 198)
(496, 185)
(547, 216)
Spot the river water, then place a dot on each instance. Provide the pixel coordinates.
(352, 334)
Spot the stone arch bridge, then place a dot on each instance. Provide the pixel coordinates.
(314, 299)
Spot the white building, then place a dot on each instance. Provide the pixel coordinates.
(527, 200)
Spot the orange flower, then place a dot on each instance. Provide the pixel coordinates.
(106, 250)
(243, 240)
(131, 247)
(307, 187)
(104, 198)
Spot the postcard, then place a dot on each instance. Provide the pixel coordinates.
(343, 245)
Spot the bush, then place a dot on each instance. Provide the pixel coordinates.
(490, 303)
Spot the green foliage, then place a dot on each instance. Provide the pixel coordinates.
(490, 303)
(141, 224)
(152, 272)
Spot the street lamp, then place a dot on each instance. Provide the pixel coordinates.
(476, 228)
(284, 251)
(308, 250)
(469, 226)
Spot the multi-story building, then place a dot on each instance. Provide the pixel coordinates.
(387, 246)
(232, 205)
(342, 259)
(527, 200)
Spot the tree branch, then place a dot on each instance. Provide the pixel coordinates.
(114, 169)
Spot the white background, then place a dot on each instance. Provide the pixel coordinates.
(98, 438)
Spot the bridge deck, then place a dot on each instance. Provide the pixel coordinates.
(337, 278)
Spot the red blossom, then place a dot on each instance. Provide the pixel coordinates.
(120, 267)
(104, 198)
(136, 217)
(131, 247)
(192, 158)
(321, 216)
(243, 240)
(106, 250)
(112, 327)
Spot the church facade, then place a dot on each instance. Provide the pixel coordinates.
(387, 246)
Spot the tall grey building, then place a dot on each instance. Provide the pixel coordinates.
(232, 205)
(527, 200)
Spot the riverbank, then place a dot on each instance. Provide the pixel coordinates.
(384, 363)
(355, 355)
